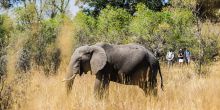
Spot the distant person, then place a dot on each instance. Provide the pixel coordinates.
(180, 57)
(187, 55)
(170, 57)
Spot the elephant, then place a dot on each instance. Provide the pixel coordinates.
(129, 64)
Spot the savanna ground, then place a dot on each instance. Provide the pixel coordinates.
(184, 90)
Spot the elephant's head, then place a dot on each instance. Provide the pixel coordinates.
(84, 59)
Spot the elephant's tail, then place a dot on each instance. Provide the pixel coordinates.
(160, 76)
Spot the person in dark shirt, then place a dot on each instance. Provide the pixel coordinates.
(180, 57)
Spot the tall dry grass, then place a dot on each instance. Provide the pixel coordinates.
(184, 90)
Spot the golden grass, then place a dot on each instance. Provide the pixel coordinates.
(184, 90)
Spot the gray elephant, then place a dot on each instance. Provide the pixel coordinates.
(129, 64)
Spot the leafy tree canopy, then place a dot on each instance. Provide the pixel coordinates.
(93, 7)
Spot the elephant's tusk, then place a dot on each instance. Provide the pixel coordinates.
(72, 77)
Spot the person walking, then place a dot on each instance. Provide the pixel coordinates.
(170, 57)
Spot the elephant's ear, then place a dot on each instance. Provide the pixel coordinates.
(98, 60)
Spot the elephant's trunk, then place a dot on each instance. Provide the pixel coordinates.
(73, 69)
(72, 73)
(69, 83)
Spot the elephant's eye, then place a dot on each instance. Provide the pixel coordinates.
(78, 59)
(87, 53)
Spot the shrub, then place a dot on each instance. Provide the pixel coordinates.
(24, 60)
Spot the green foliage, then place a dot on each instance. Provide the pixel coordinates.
(156, 30)
(49, 30)
(165, 29)
(85, 27)
(113, 24)
(210, 48)
(6, 27)
(26, 17)
(144, 22)
(94, 7)
(182, 29)
(43, 45)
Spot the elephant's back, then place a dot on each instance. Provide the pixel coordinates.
(126, 58)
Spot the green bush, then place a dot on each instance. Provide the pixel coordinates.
(112, 25)
(85, 28)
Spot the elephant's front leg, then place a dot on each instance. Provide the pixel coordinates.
(101, 86)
